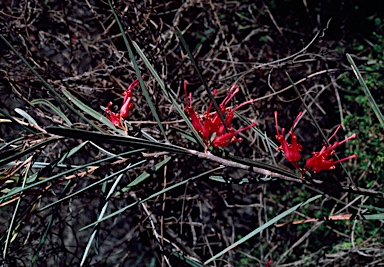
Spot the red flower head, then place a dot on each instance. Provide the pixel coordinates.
(213, 130)
(291, 151)
(320, 160)
(127, 105)
(112, 116)
(226, 139)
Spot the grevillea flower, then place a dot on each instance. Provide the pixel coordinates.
(127, 105)
(112, 116)
(211, 128)
(226, 139)
(320, 161)
(291, 151)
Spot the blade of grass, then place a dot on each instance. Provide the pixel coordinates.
(113, 214)
(48, 227)
(47, 85)
(262, 227)
(53, 107)
(367, 92)
(112, 139)
(167, 93)
(191, 57)
(6, 115)
(128, 44)
(26, 116)
(10, 227)
(90, 111)
(14, 191)
(144, 175)
(94, 184)
(24, 152)
(103, 210)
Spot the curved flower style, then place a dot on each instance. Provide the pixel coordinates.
(127, 106)
(212, 129)
(320, 160)
(291, 151)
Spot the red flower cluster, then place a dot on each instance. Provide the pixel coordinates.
(320, 161)
(291, 151)
(212, 129)
(127, 105)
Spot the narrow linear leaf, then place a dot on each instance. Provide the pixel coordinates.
(191, 57)
(167, 93)
(53, 107)
(144, 175)
(10, 118)
(150, 197)
(103, 210)
(94, 163)
(379, 216)
(31, 149)
(91, 112)
(262, 227)
(46, 84)
(127, 42)
(26, 116)
(84, 189)
(112, 139)
(367, 92)
(10, 231)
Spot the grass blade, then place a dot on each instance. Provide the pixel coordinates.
(144, 175)
(371, 100)
(8, 239)
(216, 106)
(112, 139)
(103, 210)
(93, 184)
(150, 197)
(166, 92)
(53, 107)
(46, 84)
(90, 111)
(128, 44)
(262, 227)
(31, 149)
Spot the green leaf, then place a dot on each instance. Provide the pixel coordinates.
(113, 214)
(53, 107)
(263, 227)
(138, 73)
(144, 175)
(91, 112)
(371, 100)
(167, 93)
(26, 116)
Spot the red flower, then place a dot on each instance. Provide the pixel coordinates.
(291, 151)
(127, 105)
(320, 162)
(226, 139)
(212, 129)
(112, 116)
